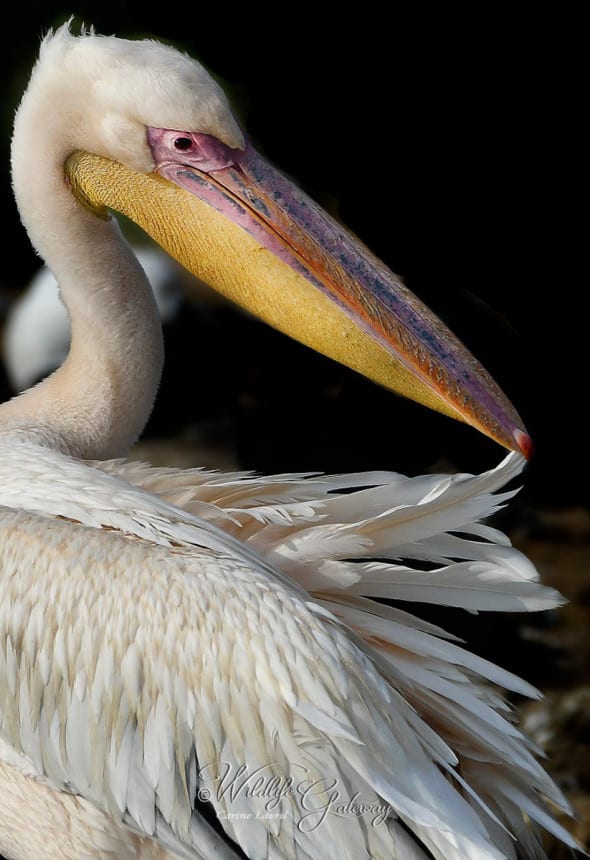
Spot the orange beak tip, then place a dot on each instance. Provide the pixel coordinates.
(524, 442)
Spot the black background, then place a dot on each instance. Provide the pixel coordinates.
(450, 142)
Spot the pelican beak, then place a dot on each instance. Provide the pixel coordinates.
(241, 226)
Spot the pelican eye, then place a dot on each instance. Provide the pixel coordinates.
(183, 143)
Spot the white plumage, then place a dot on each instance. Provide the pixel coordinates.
(173, 635)
(229, 661)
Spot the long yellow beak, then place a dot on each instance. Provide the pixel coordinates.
(242, 227)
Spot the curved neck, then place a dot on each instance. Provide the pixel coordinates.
(96, 405)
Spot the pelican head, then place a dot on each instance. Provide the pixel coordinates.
(168, 153)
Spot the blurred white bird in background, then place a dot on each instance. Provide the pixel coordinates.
(36, 336)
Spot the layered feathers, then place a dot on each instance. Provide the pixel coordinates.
(222, 658)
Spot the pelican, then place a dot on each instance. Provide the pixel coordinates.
(192, 664)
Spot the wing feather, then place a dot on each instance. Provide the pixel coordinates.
(196, 662)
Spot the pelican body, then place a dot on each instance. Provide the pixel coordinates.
(194, 665)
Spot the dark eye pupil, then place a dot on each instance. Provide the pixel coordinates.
(183, 143)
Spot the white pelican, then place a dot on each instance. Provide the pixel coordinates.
(183, 654)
